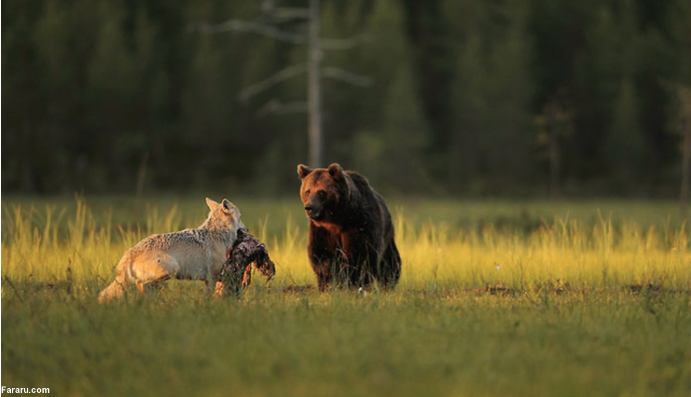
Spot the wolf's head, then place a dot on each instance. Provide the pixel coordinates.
(223, 217)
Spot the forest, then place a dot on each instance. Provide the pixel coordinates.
(530, 154)
(462, 98)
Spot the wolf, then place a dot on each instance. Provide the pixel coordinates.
(192, 254)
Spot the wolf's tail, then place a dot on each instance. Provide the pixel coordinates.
(117, 288)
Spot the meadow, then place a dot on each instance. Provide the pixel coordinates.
(497, 297)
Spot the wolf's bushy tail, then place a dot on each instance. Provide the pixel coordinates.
(117, 288)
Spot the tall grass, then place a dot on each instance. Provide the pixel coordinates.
(488, 305)
(45, 245)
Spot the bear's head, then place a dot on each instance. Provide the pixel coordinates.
(322, 191)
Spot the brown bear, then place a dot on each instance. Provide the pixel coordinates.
(351, 236)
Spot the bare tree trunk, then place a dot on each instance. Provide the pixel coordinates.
(315, 45)
(313, 88)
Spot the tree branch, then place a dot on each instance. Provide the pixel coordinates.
(346, 76)
(276, 78)
(276, 33)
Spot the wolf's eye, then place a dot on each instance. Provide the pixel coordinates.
(307, 192)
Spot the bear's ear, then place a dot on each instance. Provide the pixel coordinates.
(212, 204)
(303, 170)
(335, 171)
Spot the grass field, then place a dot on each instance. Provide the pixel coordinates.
(520, 298)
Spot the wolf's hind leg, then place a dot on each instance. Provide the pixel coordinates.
(155, 267)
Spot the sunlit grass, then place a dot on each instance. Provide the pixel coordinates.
(45, 245)
(529, 301)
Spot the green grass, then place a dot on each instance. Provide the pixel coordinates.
(496, 298)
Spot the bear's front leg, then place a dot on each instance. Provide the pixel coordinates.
(321, 251)
(324, 276)
(362, 257)
(321, 265)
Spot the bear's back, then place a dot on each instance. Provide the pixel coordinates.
(369, 197)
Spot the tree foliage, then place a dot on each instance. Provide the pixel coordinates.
(95, 91)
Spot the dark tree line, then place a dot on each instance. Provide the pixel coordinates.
(470, 97)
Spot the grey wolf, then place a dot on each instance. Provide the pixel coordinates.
(195, 254)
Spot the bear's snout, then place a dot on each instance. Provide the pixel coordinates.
(316, 213)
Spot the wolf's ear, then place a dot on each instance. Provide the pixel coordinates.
(303, 170)
(212, 204)
(228, 208)
(335, 171)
